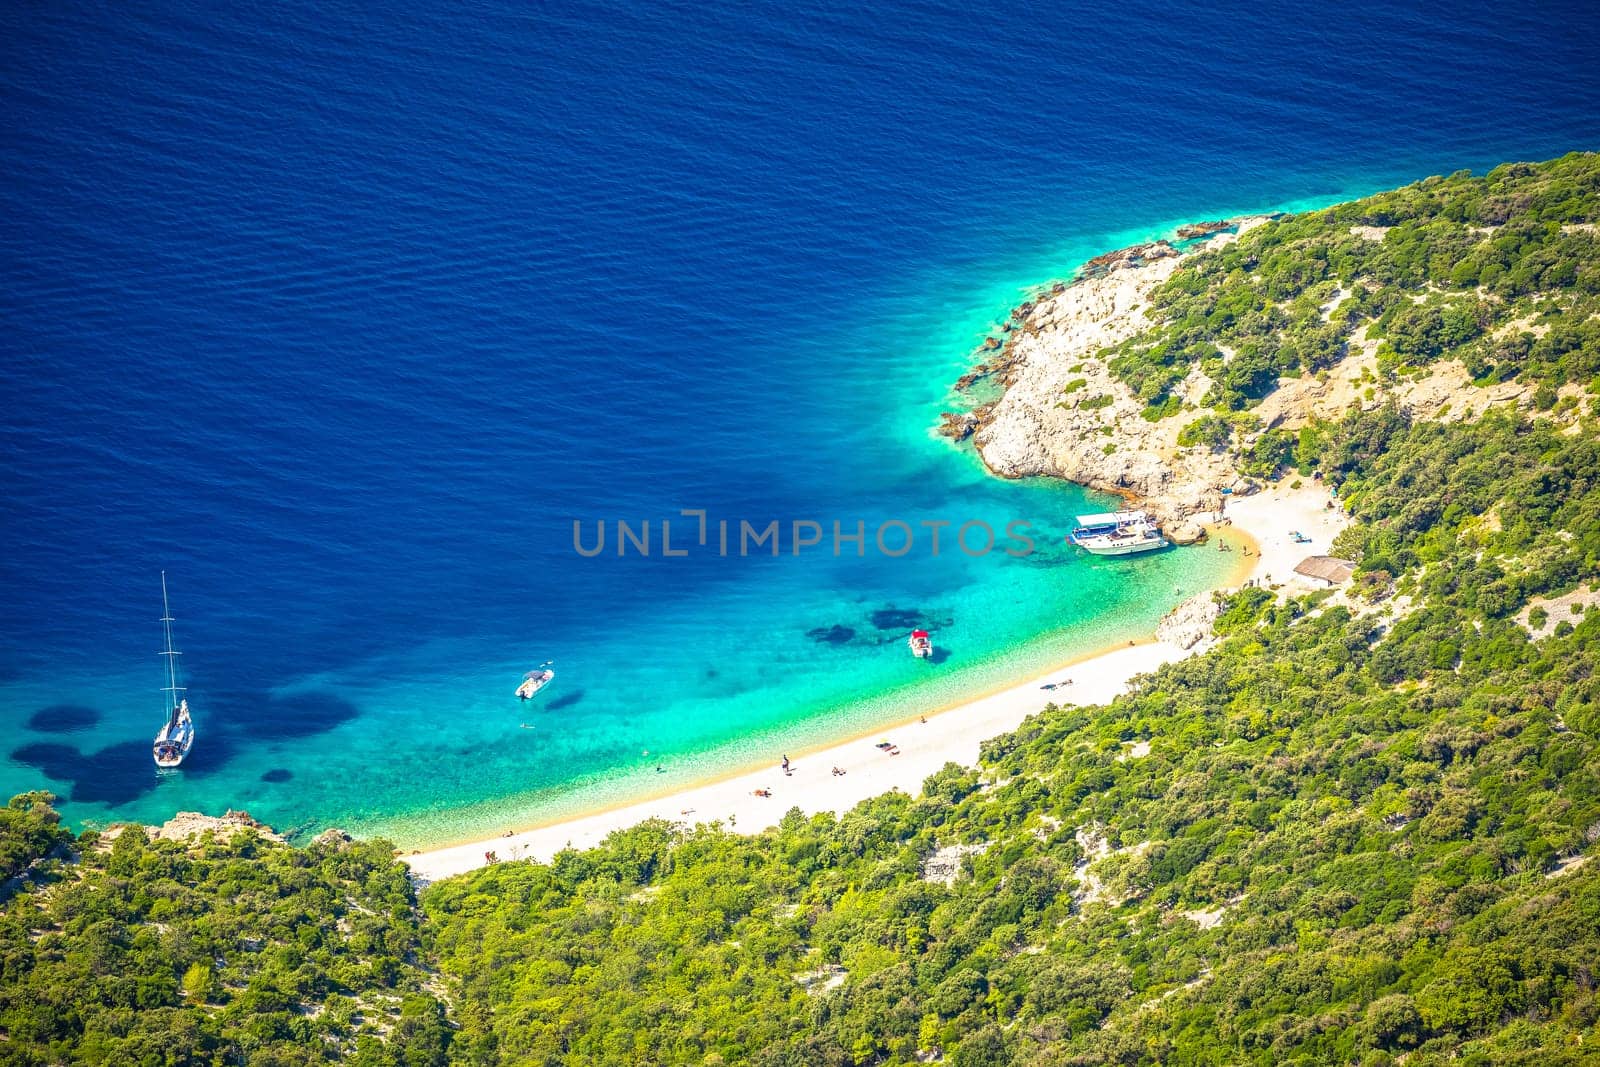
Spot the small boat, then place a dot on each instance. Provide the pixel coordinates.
(921, 644)
(1117, 533)
(172, 744)
(534, 681)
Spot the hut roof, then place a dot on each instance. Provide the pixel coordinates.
(1328, 568)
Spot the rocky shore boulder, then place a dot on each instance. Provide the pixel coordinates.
(972, 377)
(1185, 532)
(1191, 622)
(1192, 230)
(957, 425)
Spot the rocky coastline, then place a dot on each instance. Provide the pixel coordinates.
(1042, 401)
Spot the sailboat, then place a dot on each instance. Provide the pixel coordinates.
(172, 744)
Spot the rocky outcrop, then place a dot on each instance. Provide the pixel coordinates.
(1203, 229)
(1123, 258)
(186, 824)
(1195, 230)
(1191, 622)
(333, 838)
(957, 425)
(944, 865)
(972, 377)
(1063, 414)
(1185, 532)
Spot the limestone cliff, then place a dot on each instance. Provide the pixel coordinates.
(1062, 413)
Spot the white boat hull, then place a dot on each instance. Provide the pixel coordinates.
(1117, 533)
(174, 761)
(171, 746)
(531, 685)
(1124, 548)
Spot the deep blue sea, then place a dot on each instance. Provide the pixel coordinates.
(341, 316)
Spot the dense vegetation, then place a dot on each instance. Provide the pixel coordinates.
(1341, 847)
(1359, 829)
(1501, 272)
(230, 950)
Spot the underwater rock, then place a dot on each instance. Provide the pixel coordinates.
(832, 635)
(66, 718)
(897, 619)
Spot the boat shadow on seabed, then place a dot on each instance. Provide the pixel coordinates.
(122, 772)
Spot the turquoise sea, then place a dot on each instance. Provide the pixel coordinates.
(343, 318)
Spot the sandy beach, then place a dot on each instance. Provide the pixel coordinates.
(1266, 520)
(922, 748)
(1272, 517)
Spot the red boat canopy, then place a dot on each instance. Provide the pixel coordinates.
(919, 633)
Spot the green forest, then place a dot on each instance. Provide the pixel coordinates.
(1500, 271)
(1362, 831)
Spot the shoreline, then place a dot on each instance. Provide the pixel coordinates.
(1074, 320)
(851, 718)
(952, 733)
(806, 749)
(730, 799)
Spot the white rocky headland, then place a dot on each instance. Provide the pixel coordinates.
(1062, 413)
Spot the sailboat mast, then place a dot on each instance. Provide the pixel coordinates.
(166, 626)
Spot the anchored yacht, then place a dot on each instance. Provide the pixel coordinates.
(1117, 533)
(172, 744)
